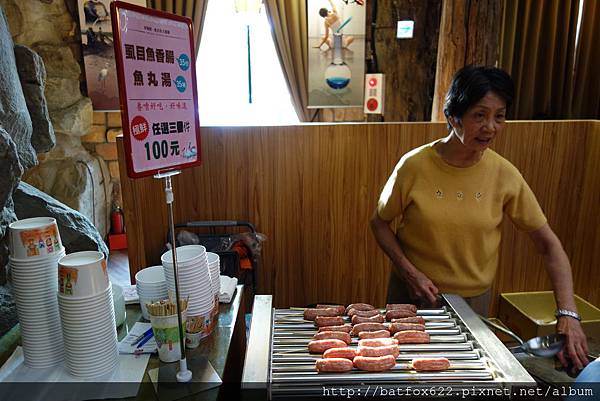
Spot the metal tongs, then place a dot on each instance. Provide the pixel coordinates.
(544, 346)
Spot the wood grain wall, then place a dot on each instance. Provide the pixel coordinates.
(312, 189)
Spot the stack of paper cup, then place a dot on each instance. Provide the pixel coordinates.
(35, 249)
(215, 281)
(194, 284)
(214, 268)
(151, 287)
(87, 315)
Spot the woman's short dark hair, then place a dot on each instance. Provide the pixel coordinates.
(323, 12)
(471, 83)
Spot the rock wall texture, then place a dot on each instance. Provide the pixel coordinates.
(43, 116)
(75, 175)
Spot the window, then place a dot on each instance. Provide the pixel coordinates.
(222, 68)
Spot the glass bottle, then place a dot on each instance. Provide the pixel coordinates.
(337, 74)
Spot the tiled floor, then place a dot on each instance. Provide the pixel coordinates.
(118, 267)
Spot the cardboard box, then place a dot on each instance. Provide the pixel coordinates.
(531, 314)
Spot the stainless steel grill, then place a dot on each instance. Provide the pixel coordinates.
(278, 355)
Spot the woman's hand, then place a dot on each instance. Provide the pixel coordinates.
(422, 288)
(575, 349)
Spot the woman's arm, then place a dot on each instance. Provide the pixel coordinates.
(559, 270)
(420, 285)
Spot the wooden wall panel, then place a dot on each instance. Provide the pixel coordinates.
(312, 189)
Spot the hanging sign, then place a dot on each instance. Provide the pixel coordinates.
(157, 85)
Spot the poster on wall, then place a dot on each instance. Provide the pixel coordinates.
(336, 53)
(98, 53)
(156, 72)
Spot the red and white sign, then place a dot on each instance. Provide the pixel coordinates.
(156, 70)
(374, 84)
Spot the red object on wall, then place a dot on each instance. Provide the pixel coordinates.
(117, 241)
(117, 221)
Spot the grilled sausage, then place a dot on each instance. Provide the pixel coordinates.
(396, 327)
(373, 319)
(345, 352)
(357, 328)
(379, 351)
(412, 337)
(374, 334)
(334, 365)
(377, 342)
(320, 346)
(333, 335)
(412, 319)
(359, 306)
(322, 321)
(430, 364)
(364, 313)
(345, 328)
(339, 309)
(401, 306)
(398, 313)
(312, 313)
(375, 364)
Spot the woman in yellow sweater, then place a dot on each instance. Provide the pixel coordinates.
(451, 196)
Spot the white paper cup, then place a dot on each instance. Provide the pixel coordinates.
(187, 254)
(166, 333)
(192, 340)
(150, 275)
(34, 238)
(82, 274)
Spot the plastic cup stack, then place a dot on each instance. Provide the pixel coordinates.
(87, 315)
(214, 269)
(35, 248)
(151, 287)
(194, 283)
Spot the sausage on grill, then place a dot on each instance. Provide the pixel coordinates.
(334, 365)
(345, 352)
(401, 306)
(412, 319)
(312, 313)
(377, 342)
(374, 334)
(379, 351)
(320, 346)
(430, 364)
(399, 313)
(333, 335)
(375, 364)
(345, 328)
(359, 306)
(412, 337)
(396, 327)
(357, 328)
(339, 309)
(373, 319)
(322, 321)
(364, 313)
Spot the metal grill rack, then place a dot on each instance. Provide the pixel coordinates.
(477, 358)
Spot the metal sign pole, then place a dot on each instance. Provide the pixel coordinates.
(184, 374)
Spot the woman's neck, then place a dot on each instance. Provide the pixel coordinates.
(455, 153)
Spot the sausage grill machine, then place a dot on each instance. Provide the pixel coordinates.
(278, 363)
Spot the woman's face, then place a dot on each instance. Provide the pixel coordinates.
(481, 122)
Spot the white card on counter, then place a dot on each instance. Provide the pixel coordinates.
(127, 345)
